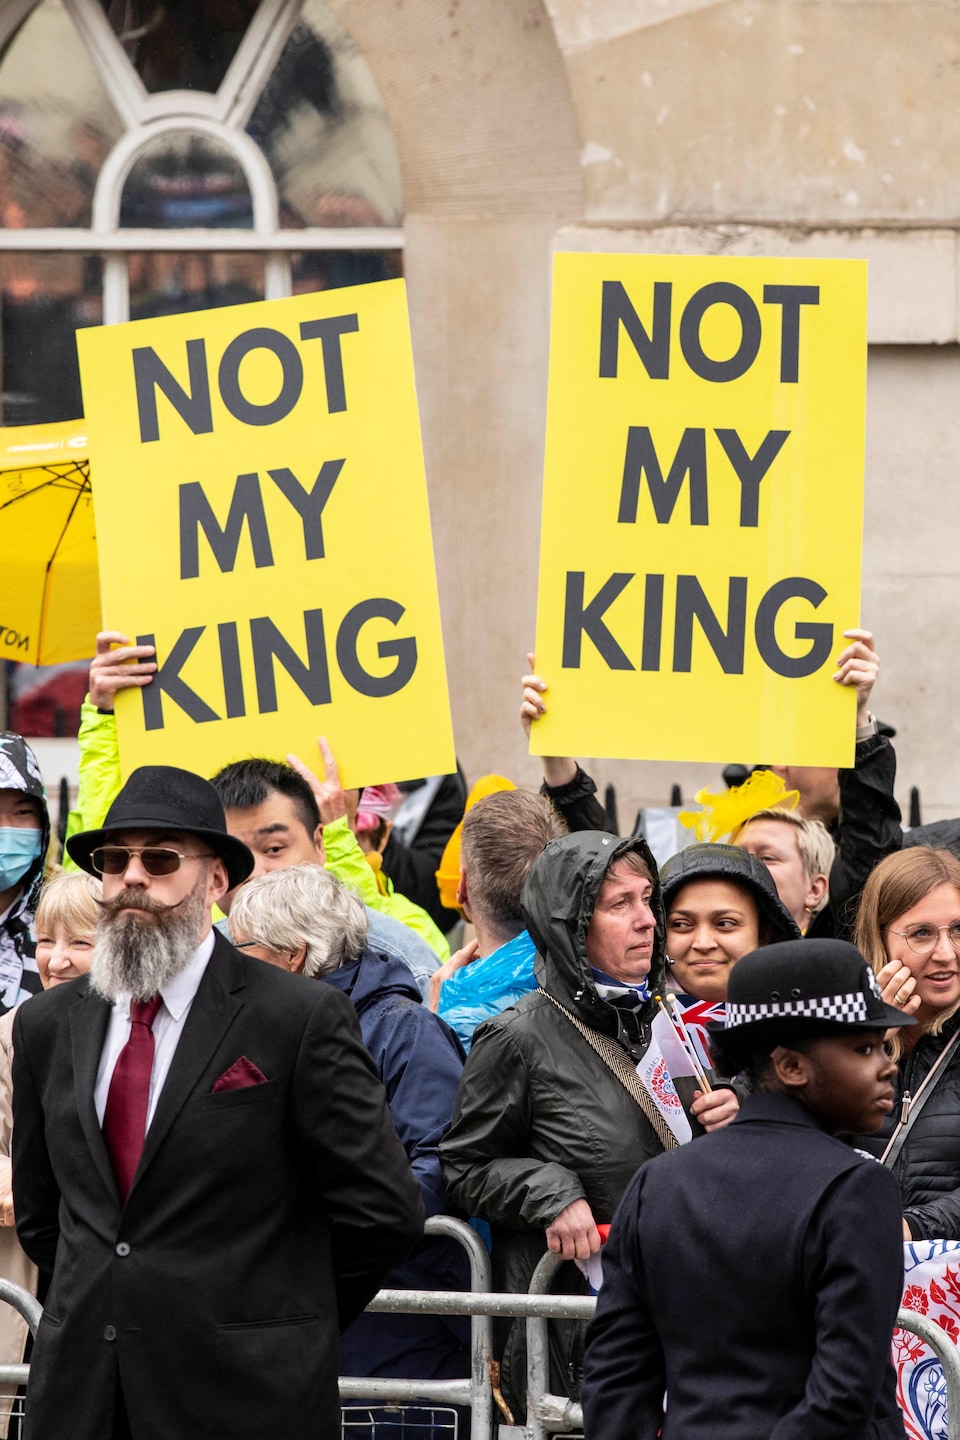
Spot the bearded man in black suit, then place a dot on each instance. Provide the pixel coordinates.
(203, 1156)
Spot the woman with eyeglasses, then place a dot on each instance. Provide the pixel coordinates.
(908, 927)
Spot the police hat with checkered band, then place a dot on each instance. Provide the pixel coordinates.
(803, 986)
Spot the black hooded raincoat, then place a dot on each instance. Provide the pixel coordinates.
(540, 1119)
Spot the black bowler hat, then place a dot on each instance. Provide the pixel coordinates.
(803, 985)
(161, 797)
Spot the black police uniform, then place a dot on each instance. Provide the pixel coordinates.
(755, 1277)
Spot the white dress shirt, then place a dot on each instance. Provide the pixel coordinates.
(177, 998)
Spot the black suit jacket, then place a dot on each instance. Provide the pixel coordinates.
(754, 1276)
(259, 1223)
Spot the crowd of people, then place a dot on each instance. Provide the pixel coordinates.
(239, 1066)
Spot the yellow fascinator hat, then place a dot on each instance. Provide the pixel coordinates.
(723, 813)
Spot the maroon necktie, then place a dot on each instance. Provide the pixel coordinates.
(125, 1118)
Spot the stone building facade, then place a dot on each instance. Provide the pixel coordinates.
(783, 127)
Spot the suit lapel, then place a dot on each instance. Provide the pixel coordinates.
(214, 1009)
(89, 1018)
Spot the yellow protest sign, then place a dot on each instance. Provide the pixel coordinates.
(262, 518)
(702, 508)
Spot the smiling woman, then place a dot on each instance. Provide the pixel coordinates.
(65, 925)
(721, 903)
(908, 927)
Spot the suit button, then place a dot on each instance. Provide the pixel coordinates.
(123, 1249)
(110, 1332)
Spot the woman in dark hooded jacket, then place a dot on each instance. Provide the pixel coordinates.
(547, 1131)
(721, 902)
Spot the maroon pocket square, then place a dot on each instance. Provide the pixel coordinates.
(241, 1075)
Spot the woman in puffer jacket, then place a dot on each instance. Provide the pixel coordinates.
(908, 927)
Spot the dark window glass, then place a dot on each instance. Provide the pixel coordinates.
(172, 284)
(44, 300)
(180, 44)
(321, 123)
(56, 124)
(185, 181)
(332, 269)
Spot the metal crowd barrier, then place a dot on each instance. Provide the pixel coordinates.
(558, 1415)
(475, 1393)
(547, 1414)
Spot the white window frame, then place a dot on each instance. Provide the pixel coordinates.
(222, 118)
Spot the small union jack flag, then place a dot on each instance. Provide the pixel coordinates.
(697, 1014)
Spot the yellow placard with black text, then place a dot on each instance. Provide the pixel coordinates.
(702, 508)
(262, 518)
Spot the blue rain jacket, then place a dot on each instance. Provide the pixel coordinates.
(419, 1060)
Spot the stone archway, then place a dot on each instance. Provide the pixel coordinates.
(480, 107)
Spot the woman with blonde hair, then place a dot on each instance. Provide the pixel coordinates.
(908, 927)
(65, 922)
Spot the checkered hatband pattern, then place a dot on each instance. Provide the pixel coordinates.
(874, 983)
(824, 1007)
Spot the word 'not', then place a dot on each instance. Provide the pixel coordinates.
(194, 405)
(653, 347)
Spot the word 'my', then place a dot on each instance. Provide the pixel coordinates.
(267, 645)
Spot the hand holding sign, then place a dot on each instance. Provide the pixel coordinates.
(118, 665)
(532, 704)
(557, 769)
(859, 665)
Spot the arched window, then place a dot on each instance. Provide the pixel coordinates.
(159, 156)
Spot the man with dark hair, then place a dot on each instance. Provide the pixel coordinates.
(754, 1277)
(272, 808)
(203, 1156)
(246, 783)
(503, 834)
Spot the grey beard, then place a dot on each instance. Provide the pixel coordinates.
(138, 956)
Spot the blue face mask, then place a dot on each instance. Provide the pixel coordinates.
(19, 849)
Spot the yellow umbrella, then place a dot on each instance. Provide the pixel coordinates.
(49, 588)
